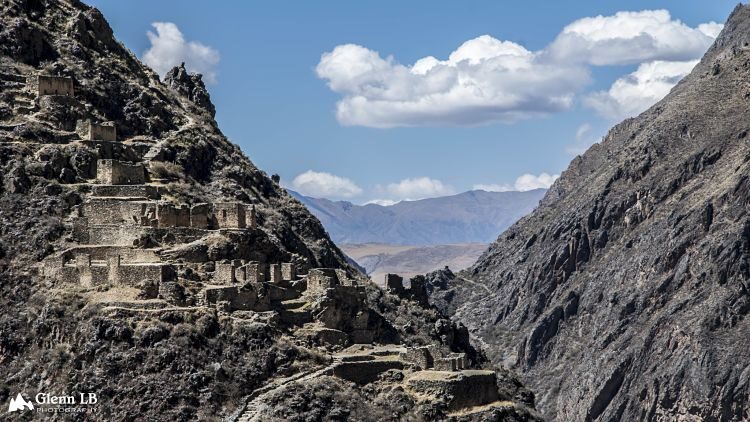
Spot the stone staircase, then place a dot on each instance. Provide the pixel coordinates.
(250, 412)
(15, 87)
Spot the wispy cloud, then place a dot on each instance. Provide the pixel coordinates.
(169, 48)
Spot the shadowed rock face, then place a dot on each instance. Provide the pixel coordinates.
(625, 294)
(135, 267)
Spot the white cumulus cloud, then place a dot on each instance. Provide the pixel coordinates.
(632, 37)
(634, 93)
(484, 80)
(524, 182)
(414, 188)
(169, 49)
(491, 80)
(325, 185)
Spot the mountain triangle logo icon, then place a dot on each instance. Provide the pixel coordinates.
(19, 403)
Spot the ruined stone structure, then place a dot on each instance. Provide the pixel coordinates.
(274, 273)
(319, 279)
(465, 388)
(241, 271)
(230, 215)
(288, 271)
(114, 172)
(54, 85)
(237, 298)
(108, 269)
(101, 132)
(427, 357)
(416, 291)
(394, 283)
(200, 216)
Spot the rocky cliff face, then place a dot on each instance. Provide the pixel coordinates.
(625, 295)
(145, 259)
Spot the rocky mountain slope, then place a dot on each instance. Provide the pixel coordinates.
(625, 295)
(469, 217)
(145, 259)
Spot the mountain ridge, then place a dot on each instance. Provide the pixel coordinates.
(469, 217)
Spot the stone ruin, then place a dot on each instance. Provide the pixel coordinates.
(328, 307)
(124, 206)
(429, 375)
(125, 215)
(240, 271)
(416, 291)
(429, 357)
(114, 172)
(54, 85)
(94, 266)
(100, 132)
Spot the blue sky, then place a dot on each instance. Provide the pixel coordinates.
(275, 102)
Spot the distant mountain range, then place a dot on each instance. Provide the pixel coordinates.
(408, 261)
(470, 217)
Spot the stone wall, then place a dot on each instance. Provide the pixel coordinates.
(112, 211)
(200, 215)
(236, 298)
(54, 85)
(288, 271)
(252, 221)
(126, 191)
(114, 235)
(128, 253)
(226, 272)
(394, 283)
(229, 215)
(464, 389)
(239, 271)
(98, 132)
(113, 172)
(169, 215)
(111, 270)
(419, 356)
(255, 272)
(364, 372)
(320, 279)
(274, 273)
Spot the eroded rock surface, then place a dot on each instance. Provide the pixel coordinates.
(625, 294)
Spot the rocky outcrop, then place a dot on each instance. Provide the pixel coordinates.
(625, 296)
(191, 86)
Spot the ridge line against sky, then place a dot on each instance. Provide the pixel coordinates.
(480, 112)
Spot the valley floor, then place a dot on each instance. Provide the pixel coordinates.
(408, 261)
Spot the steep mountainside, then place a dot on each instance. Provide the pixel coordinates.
(625, 295)
(145, 259)
(469, 217)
